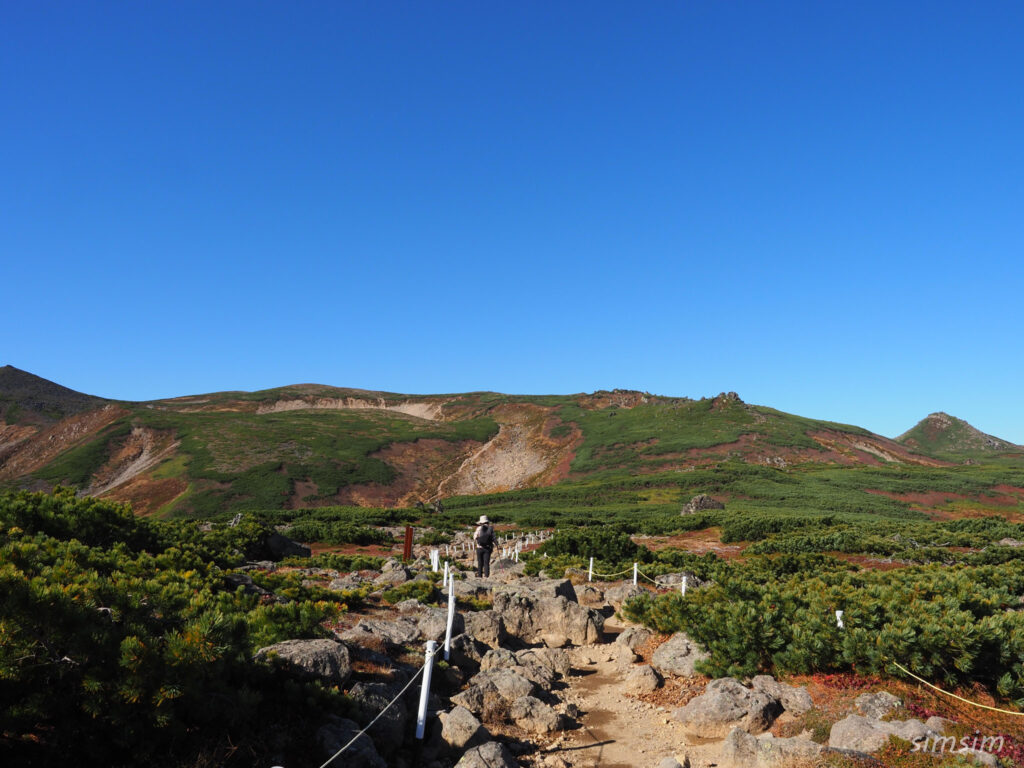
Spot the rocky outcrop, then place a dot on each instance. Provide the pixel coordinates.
(876, 705)
(326, 660)
(743, 750)
(493, 690)
(377, 632)
(281, 547)
(388, 731)
(617, 595)
(866, 734)
(794, 700)
(461, 730)
(634, 637)
(677, 656)
(486, 627)
(553, 621)
(338, 732)
(700, 503)
(724, 705)
(489, 755)
(535, 716)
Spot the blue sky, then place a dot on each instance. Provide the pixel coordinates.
(817, 205)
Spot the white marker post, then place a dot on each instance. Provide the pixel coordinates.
(682, 585)
(634, 574)
(428, 668)
(444, 581)
(590, 571)
(451, 619)
(839, 619)
(435, 559)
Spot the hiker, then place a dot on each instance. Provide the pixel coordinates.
(483, 537)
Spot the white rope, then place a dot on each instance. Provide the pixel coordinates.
(354, 738)
(610, 575)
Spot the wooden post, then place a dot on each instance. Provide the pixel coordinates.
(407, 549)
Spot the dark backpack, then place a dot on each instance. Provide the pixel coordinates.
(486, 538)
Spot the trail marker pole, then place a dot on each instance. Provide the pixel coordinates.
(634, 574)
(407, 547)
(428, 668)
(839, 619)
(682, 585)
(451, 619)
(435, 557)
(590, 571)
(444, 581)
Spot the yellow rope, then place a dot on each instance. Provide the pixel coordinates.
(953, 695)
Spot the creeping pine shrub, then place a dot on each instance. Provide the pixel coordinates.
(608, 543)
(420, 589)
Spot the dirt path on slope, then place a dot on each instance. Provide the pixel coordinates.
(618, 730)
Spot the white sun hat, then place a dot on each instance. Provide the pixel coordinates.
(483, 519)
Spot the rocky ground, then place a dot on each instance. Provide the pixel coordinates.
(548, 676)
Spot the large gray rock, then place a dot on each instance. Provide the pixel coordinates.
(472, 588)
(485, 626)
(535, 716)
(554, 659)
(675, 580)
(642, 680)
(794, 700)
(677, 656)
(338, 732)
(389, 730)
(393, 577)
(553, 621)
(700, 503)
(742, 750)
(460, 729)
(634, 637)
(866, 734)
(432, 623)
(617, 595)
(377, 633)
(876, 705)
(724, 705)
(466, 653)
(542, 588)
(589, 595)
(492, 690)
(312, 659)
(489, 755)
(348, 582)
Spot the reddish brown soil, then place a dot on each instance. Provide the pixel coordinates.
(146, 494)
(870, 563)
(371, 550)
(45, 446)
(707, 540)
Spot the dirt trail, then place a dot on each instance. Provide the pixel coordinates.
(618, 730)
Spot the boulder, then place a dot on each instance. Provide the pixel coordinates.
(489, 755)
(674, 580)
(460, 729)
(671, 762)
(939, 724)
(677, 656)
(742, 750)
(542, 588)
(348, 583)
(389, 730)
(485, 626)
(338, 732)
(617, 595)
(724, 705)
(553, 621)
(794, 700)
(535, 716)
(700, 503)
(466, 653)
(491, 689)
(588, 594)
(472, 588)
(432, 623)
(642, 680)
(393, 577)
(312, 659)
(554, 659)
(281, 547)
(866, 734)
(634, 637)
(876, 705)
(376, 632)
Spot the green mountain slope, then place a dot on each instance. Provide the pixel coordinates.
(945, 436)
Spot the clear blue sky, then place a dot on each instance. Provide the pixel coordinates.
(817, 205)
